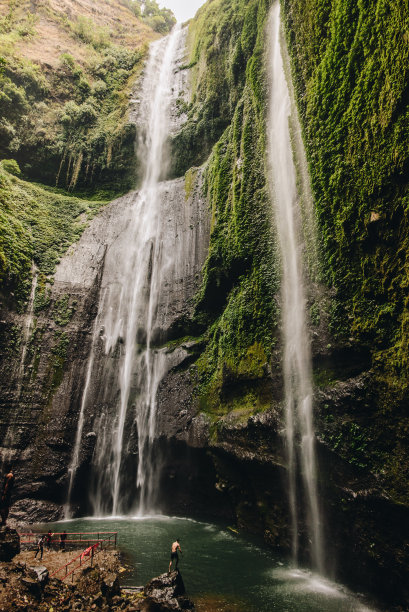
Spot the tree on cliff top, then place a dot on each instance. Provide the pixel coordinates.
(159, 19)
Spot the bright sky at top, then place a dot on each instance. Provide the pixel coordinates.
(183, 9)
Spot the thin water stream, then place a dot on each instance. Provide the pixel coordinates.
(297, 371)
(27, 328)
(221, 569)
(10, 439)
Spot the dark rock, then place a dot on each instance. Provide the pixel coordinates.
(110, 586)
(3, 576)
(167, 592)
(32, 510)
(39, 573)
(9, 543)
(33, 586)
(97, 601)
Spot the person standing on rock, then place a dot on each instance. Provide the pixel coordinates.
(5, 501)
(174, 554)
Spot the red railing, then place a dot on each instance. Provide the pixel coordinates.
(89, 538)
(87, 556)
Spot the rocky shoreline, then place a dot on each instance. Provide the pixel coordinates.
(26, 585)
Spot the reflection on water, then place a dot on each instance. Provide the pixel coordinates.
(222, 571)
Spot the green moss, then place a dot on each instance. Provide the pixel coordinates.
(235, 303)
(36, 225)
(34, 349)
(190, 181)
(59, 357)
(223, 40)
(64, 310)
(11, 166)
(324, 377)
(351, 65)
(13, 341)
(315, 314)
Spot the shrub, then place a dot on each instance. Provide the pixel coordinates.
(11, 166)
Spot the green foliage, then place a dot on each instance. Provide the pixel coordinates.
(223, 42)
(35, 225)
(159, 19)
(315, 314)
(351, 443)
(70, 126)
(11, 166)
(87, 31)
(236, 300)
(64, 310)
(351, 61)
(60, 353)
(13, 340)
(351, 67)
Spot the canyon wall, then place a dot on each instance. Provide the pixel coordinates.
(220, 417)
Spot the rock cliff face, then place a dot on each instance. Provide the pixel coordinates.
(40, 413)
(220, 423)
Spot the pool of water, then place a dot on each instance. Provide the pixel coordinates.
(219, 565)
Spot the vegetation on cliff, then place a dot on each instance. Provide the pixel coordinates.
(37, 225)
(352, 71)
(66, 77)
(227, 107)
(159, 19)
(351, 67)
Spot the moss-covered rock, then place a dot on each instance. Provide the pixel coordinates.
(350, 63)
(236, 300)
(37, 225)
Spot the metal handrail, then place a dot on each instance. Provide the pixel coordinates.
(93, 550)
(32, 537)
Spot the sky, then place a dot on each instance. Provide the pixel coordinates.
(183, 9)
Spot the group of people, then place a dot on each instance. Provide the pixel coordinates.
(46, 539)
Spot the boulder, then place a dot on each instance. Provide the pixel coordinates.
(33, 586)
(9, 543)
(167, 592)
(39, 573)
(110, 586)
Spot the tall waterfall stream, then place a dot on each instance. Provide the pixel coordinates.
(297, 370)
(137, 269)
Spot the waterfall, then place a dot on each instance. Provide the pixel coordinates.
(27, 329)
(125, 365)
(75, 459)
(10, 437)
(297, 370)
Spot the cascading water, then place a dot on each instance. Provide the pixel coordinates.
(297, 369)
(27, 328)
(11, 434)
(137, 268)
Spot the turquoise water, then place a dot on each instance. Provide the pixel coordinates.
(217, 563)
